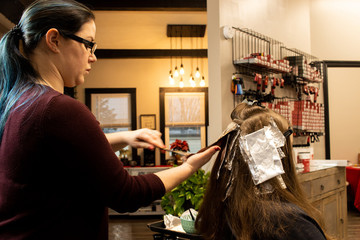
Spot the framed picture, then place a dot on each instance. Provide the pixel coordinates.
(148, 121)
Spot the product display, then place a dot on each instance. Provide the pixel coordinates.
(303, 115)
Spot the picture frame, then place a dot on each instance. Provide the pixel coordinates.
(148, 121)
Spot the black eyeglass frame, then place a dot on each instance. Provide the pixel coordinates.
(88, 44)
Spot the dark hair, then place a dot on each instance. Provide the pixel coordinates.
(246, 213)
(17, 75)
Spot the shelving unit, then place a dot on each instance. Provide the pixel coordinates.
(255, 52)
(284, 79)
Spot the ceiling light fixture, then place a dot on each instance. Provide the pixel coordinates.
(181, 83)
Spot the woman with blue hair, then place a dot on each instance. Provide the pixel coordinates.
(58, 171)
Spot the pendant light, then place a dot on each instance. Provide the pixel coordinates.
(197, 72)
(192, 82)
(191, 79)
(171, 77)
(202, 81)
(176, 72)
(181, 83)
(182, 71)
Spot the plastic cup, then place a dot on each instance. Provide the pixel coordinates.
(305, 159)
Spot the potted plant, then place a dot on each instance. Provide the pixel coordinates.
(189, 194)
(179, 145)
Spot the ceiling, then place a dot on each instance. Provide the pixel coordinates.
(12, 9)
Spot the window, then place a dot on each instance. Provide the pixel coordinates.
(183, 115)
(115, 109)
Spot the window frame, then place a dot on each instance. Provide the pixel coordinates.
(131, 91)
(163, 91)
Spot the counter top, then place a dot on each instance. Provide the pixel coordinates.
(316, 165)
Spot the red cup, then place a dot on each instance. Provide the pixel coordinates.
(306, 163)
(305, 160)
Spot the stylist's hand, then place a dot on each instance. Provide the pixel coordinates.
(196, 161)
(145, 138)
(174, 176)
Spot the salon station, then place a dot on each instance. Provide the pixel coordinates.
(181, 67)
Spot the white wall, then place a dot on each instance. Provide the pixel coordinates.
(344, 115)
(335, 29)
(335, 35)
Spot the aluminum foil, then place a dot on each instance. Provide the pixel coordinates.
(261, 150)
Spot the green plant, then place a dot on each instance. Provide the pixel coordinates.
(189, 194)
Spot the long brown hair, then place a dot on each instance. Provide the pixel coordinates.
(246, 214)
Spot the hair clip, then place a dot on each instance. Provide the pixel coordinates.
(253, 103)
(288, 132)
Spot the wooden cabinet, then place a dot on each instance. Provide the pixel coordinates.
(326, 190)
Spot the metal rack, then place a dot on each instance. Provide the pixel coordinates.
(255, 52)
(299, 73)
(306, 68)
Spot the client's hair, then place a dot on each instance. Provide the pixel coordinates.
(247, 213)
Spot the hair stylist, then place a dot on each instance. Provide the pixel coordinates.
(58, 172)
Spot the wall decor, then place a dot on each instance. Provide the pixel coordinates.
(148, 121)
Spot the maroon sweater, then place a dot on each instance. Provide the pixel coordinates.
(58, 174)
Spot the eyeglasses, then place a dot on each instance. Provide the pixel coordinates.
(88, 45)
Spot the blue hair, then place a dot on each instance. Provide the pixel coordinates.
(17, 75)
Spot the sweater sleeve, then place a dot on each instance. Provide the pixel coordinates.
(89, 158)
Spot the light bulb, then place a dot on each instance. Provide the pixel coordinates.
(171, 80)
(191, 78)
(181, 83)
(192, 81)
(176, 73)
(197, 73)
(202, 82)
(182, 69)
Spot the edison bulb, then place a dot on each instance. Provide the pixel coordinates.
(202, 82)
(182, 71)
(171, 80)
(197, 73)
(181, 83)
(176, 73)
